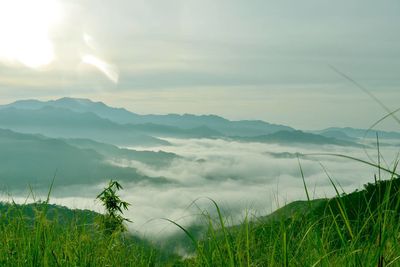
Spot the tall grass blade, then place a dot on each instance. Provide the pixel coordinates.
(227, 243)
(304, 181)
(355, 159)
(362, 88)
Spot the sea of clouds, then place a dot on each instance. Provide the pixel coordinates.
(243, 178)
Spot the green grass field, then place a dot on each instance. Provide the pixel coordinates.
(357, 229)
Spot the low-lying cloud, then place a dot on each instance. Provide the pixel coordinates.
(240, 177)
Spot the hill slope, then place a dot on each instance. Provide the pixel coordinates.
(34, 159)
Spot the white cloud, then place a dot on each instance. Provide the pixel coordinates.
(238, 176)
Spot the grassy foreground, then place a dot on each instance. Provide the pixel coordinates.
(357, 229)
(47, 235)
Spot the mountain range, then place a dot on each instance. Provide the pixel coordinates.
(205, 123)
(83, 118)
(85, 141)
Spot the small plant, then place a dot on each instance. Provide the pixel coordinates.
(113, 221)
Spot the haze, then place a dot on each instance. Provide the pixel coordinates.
(243, 60)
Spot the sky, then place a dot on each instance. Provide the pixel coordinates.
(259, 59)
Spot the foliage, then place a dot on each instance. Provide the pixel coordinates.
(357, 229)
(113, 221)
(48, 235)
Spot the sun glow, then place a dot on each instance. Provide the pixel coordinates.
(25, 27)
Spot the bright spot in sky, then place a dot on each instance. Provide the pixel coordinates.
(89, 41)
(108, 70)
(25, 27)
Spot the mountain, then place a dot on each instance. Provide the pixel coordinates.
(80, 105)
(114, 153)
(360, 133)
(296, 137)
(337, 134)
(224, 126)
(173, 131)
(60, 122)
(85, 119)
(34, 159)
(213, 123)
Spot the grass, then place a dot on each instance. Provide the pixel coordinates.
(357, 229)
(46, 235)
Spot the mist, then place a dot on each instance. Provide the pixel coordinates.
(243, 178)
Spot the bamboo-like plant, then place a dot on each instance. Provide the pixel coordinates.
(113, 221)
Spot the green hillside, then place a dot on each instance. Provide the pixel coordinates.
(357, 229)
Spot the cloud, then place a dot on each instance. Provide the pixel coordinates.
(212, 54)
(240, 177)
(107, 69)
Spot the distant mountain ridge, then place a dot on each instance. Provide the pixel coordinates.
(355, 133)
(60, 122)
(217, 124)
(83, 118)
(297, 137)
(186, 121)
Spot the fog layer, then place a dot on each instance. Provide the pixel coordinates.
(240, 177)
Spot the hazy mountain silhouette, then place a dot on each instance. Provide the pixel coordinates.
(214, 125)
(63, 122)
(360, 133)
(337, 134)
(83, 118)
(34, 159)
(290, 137)
(60, 122)
(155, 159)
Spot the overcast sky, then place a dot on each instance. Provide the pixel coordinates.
(241, 59)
